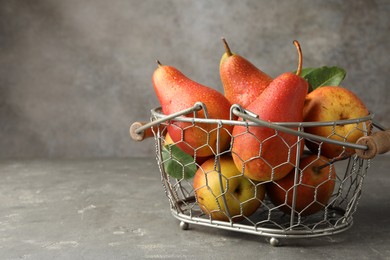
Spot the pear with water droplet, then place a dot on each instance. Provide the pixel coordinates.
(262, 152)
(177, 92)
(242, 81)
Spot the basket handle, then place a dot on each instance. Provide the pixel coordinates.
(298, 133)
(140, 135)
(377, 143)
(140, 130)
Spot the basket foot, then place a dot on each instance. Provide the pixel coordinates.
(274, 241)
(184, 225)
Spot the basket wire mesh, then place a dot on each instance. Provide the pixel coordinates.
(269, 220)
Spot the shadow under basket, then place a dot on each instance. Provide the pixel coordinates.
(347, 172)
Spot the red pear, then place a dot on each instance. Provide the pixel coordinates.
(316, 182)
(177, 92)
(262, 152)
(242, 81)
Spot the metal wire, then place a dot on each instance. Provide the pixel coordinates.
(269, 220)
(280, 126)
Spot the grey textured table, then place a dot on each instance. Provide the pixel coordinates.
(117, 209)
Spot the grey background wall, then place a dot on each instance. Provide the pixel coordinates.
(75, 74)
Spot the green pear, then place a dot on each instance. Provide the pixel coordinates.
(213, 187)
(242, 81)
(262, 152)
(333, 103)
(177, 92)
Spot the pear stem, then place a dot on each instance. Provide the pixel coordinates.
(299, 70)
(227, 48)
(158, 63)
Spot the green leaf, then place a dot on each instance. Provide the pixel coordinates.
(177, 163)
(323, 76)
(306, 71)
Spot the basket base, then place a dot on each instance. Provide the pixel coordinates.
(272, 230)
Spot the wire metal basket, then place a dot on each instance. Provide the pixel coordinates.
(284, 219)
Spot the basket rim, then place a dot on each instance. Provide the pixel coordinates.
(251, 119)
(158, 114)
